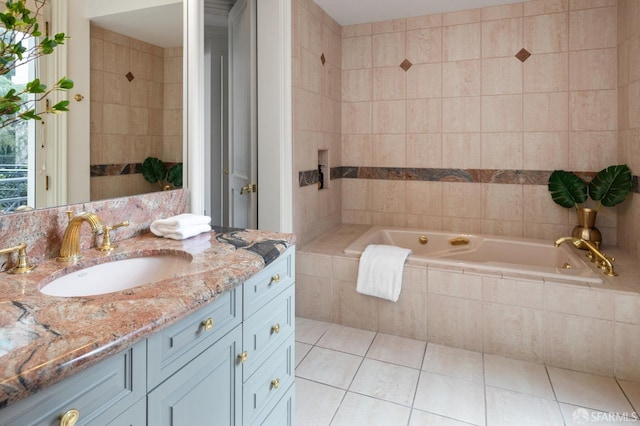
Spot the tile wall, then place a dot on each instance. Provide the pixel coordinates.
(136, 111)
(317, 86)
(629, 116)
(467, 102)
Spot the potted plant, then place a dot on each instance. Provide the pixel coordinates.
(156, 171)
(609, 188)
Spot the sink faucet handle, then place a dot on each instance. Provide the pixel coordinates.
(22, 266)
(106, 236)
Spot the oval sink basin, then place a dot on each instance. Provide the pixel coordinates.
(115, 276)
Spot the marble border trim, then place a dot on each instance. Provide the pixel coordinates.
(514, 177)
(98, 170)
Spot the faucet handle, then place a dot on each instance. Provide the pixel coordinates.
(22, 266)
(106, 236)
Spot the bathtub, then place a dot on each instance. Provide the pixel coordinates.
(483, 252)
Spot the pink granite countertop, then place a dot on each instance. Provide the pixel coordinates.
(44, 339)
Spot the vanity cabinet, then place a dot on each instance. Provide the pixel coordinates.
(229, 363)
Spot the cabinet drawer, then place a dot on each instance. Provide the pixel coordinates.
(269, 282)
(99, 393)
(173, 347)
(267, 329)
(284, 411)
(136, 415)
(268, 384)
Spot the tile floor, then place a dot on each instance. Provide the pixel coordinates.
(347, 376)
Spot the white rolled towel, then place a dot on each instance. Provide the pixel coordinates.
(181, 226)
(380, 271)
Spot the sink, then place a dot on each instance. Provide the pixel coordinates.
(116, 275)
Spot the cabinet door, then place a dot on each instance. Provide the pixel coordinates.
(207, 391)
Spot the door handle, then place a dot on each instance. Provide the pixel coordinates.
(249, 188)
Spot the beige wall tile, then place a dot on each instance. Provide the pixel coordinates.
(461, 114)
(592, 69)
(424, 115)
(512, 291)
(546, 33)
(448, 283)
(424, 81)
(424, 21)
(502, 201)
(545, 150)
(388, 196)
(424, 45)
(357, 85)
(540, 208)
(356, 150)
(460, 42)
(357, 53)
(578, 301)
(502, 12)
(388, 49)
(313, 297)
(424, 198)
(351, 308)
(627, 308)
(514, 331)
(502, 113)
(501, 76)
(502, 151)
(593, 28)
(388, 150)
(579, 343)
(538, 7)
(424, 150)
(389, 83)
(461, 200)
(582, 144)
(464, 332)
(501, 38)
(455, 143)
(544, 112)
(389, 117)
(357, 30)
(627, 348)
(547, 73)
(461, 78)
(462, 17)
(356, 118)
(391, 26)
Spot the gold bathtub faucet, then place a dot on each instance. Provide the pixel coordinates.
(603, 261)
(70, 250)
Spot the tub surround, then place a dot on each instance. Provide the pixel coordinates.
(586, 327)
(46, 339)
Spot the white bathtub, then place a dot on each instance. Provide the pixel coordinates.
(501, 254)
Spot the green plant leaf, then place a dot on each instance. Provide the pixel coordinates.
(567, 189)
(611, 185)
(154, 170)
(174, 175)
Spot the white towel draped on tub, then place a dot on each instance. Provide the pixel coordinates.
(182, 226)
(380, 271)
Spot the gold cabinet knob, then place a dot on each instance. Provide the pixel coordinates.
(275, 328)
(423, 239)
(207, 324)
(70, 418)
(275, 383)
(275, 278)
(243, 357)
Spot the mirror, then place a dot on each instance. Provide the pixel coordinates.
(126, 60)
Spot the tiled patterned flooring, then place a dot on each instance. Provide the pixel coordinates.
(347, 376)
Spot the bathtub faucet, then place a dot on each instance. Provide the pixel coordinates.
(603, 261)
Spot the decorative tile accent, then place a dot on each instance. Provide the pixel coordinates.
(129, 76)
(322, 59)
(406, 64)
(523, 55)
(518, 177)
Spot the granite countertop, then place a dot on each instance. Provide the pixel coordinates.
(44, 339)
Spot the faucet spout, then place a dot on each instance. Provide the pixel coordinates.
(70, 250)
(595, 255)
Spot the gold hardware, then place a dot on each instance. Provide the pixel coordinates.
(275, 383)
(78, 97)
(275, 328)
(70, 418)
(46, 183)
(207, 324)
(22, 266)
(459, 241)
(226, 171)
(423, 239)
(566, 265)
(106, 236)
(243, 357)
(275, 279)
(603, 261)
(249, 188)
(70, 250)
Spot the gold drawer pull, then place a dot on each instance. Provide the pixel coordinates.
(207, 324)
(243, 357)
(275, 278)
(275, 328)
(275, 383)
(70, 418)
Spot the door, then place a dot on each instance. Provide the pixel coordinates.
(242, 197)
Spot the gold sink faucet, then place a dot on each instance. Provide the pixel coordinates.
(22, 266)
(70, 250)
(603, 261)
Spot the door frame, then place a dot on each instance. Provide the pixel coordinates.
(275, 160)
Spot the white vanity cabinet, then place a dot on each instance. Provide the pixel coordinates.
(229, 363)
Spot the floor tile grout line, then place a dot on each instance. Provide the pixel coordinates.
(636, 409)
